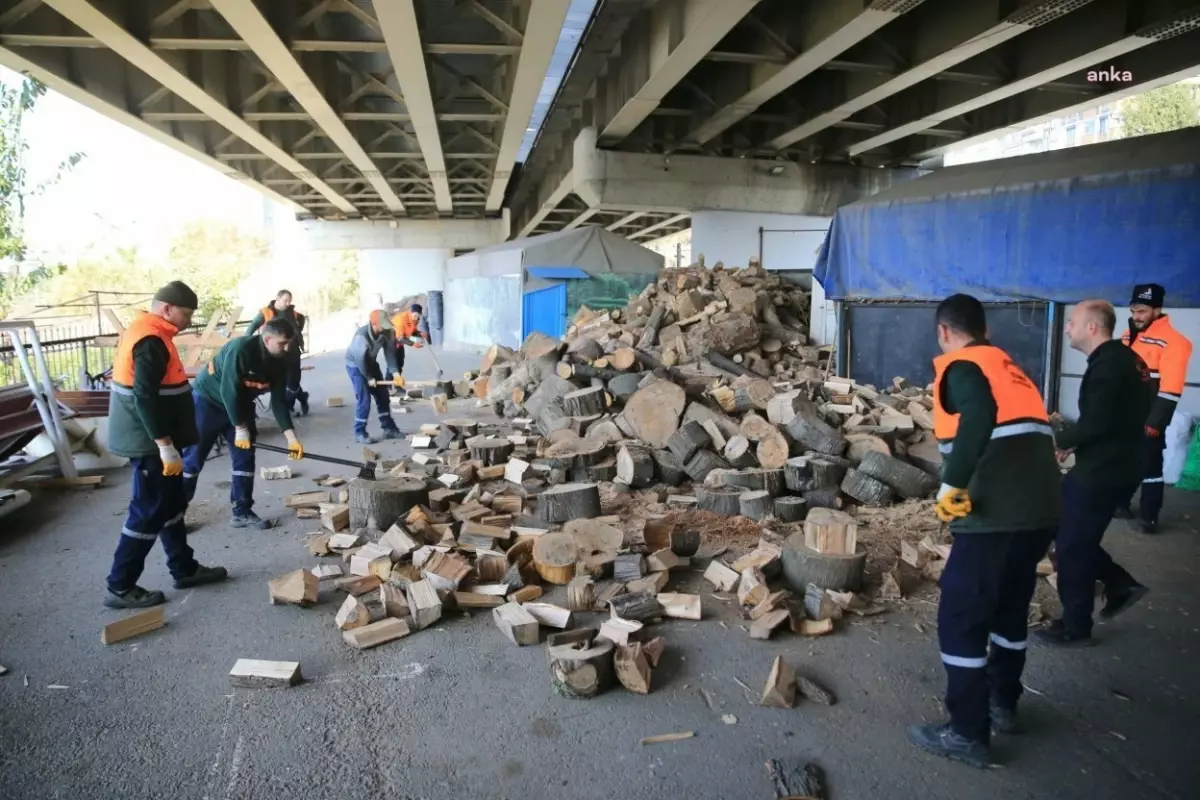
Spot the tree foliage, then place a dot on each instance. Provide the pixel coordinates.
(213, 257)
(1168, 108)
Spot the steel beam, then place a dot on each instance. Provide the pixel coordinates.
(826, 30)
(398, 20)
(297, 45)
(86, 16)
(658, 226)
(657, 52)
(1061, 53)
(625, 220)
(545, 21)
(581, 218)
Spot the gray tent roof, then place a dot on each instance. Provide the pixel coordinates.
(590, 248)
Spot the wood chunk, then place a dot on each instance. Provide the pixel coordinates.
(780, 691)
(818, 604)
(652, 584)
(490, 451)
(306, 499)
(251, 673)
(423, 604)
(765, 626)
(555, 556)
(812, 433)
(719, 500)
(687, 439)
(701, 464)
(866, 489)
(298, 587)
(891, 588)
(721, 576)
(445, 570)
(790, 509)
(323, 571)
(398, 542)
(334, 402)
(358, 584)
(550, 615)
(811, 627)
(334, 516)
(385, 630)
(134, 625)
(653, 411)
(516, 623)
(756, 505)
(653, 650)
(772, 450)
(606, 592)
(275, 473)
(344, 541)
(739, 453)
(581, 594)
(638, 606)
(632, 668)
(752, 588)
(353, 613)
(670, 469)
(441, 403)
(582, 666)
(628, 567)
(372, 559)
(680, 606)
(914, 556)
(477, 600)
(569, 501)
(635, 466)
(665, 559)
(815, 691)
(769, 604)
(830, 532)
(393, 601)
(317, 544)
(903, 478)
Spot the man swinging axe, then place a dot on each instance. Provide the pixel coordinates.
(1000, 494)
(151, 416)
(362, 365)
(242, 370)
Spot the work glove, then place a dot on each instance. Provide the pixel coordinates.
(1153, 433)
(295, 449)
(397, 380)
(952, 503)
(172, 463)
(241, 438)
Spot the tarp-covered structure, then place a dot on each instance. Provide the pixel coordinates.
(488, 291)
(1059, 226)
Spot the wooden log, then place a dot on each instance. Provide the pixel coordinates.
(639, 606)
(756, 504)
(802, 566)
(780, 691)
(624, 385)
(581, 594)
(811, 432)
(632, 668)
(772, 450)
(739, 453)
(653, 411)
(826, 472)
(569, 501)
(719, 500)
(866, 489)
(650, 332)
(790, 508)
(755, 428)
(489, 451)
(623, 358)
(797, 474)
(136, 624)
(768, 480)
(604, 430)
(379, 504)
(298, 587)
(385, 630)
(753, 396)
(702, 463)
(583, 668)
(585, 348)
(496, 354)
(680, 606)
(516, 623)
(670, 469)
(603, 472)
(554, 557)
(635, 466)
(727, 364)
(629, 567)
(721, 576)
(906, 480)
(689, 438)
(252, 673)
(584, 402)
(827, 497)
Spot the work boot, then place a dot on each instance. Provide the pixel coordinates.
(1058, 634)
(1123, 512)
(137, 597)
(363, 438)
(1147, 526)
(303, 398)
(943, 741)
(248, 519)
(1004, 720)
(201, 576)
(393, 433)
(1122, 600)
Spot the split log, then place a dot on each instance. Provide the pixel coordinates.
(827, 497)
(584, 668)
(489, 451)
(783, 408)
(584, 402)
(756, 504)
(766, 625)
(377, 633)
(658, 534)
(738, 452)
(866, 489)
(830, 532)
(424, 605)
(790, 509)
(826, 472)
(689, 438)
(516, 623)
(813, 433)
(906, 480)
(632, 667)
(629, 567)
(635, 466)
(780, 691)
(637, 606)
(548, 614)
(621, 631)
(581, 594)
(653, 411)
(569, 501)
(721, 576)
(719, 500)
(768, 480)
(379, 504)
(802, 566)
(250, 673)
(298, 587)
(752, 588)
(670, 470)
(704, 462)
(650, 333)
(815, 691)
(680, 606)
(496, 354)
(554, 557)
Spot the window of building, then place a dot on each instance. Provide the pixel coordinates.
(1070, 135)
(1089, 127)
(1104, 123)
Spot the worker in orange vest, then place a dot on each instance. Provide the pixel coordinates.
(151, 419)
(282, 306)
(1000, 494)
(408, 331)
(1166, 352)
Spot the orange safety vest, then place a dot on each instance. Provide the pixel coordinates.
(1166, 352)
(175, 381)
(268, 313)
(405, 324)
(1019, 405)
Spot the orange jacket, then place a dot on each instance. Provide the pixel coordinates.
(406, 325)
(1166, 352)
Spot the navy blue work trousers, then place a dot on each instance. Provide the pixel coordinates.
(156, 512)
(363, 394)
(213, 423)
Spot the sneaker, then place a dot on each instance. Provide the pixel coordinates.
(1123, 512)
(201, 576)
(248, 519)
(393, 433)
(1058, 634)
(942, 741)
(363, 438)
(137, 597)
(1004, 720)
(1121, 601)
(1147, 526)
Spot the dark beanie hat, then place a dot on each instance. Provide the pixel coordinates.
(416, 308)
(177, 293)
(1148, 294)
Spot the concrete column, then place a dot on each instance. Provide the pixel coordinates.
(394, 274)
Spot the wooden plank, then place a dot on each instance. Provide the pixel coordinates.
(254, 673)
(134, 625)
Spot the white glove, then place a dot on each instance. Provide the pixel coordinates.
(172, 463)
(241, 438)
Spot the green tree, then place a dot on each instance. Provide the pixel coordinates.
(212, 257)
(1168, 108)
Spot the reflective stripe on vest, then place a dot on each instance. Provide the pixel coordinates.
(1019, 405)
(175, 381)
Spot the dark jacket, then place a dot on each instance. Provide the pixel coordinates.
(241, 371)
(290, 313)
(364, 349)
(1115, 398)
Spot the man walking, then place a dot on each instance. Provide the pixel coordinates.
(1166, 352)
(1000, 487)
(150, 417)
(281, 308)
(242, 370)
(408, 332)
(1114, 401)
(362, 365)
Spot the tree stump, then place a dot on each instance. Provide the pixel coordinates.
(802, 566)
(704, 462)
(670, 469)
(768, 480)
(569, 501)
(584, 402)
(635, 466)
(827, 497)
(826, 473)
(489, 451)
(866, 489)
(756, 504)
(797, 474)
(719, 500)
(582, 669)
(812, 432)
(380, 504)
(690, 437)
(738, 452)
(906, 480)
(790, 508)
(554, 557)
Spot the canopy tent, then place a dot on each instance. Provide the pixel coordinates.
(1059, 226)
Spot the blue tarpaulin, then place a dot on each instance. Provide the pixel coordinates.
(1060, 226)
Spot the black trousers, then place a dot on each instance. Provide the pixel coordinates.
(400, 358)
(1154, 447)
(294, 392)
(1081, 560)
(986, 588)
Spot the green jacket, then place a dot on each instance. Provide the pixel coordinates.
(136, 420)
(241, 371)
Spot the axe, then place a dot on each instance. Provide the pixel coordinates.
(366, 470)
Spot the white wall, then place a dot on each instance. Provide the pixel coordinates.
(397, 273)
(822, 327)
(790, 242)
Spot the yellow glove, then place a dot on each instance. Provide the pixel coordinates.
(241, 438)
(397, 380)
(172, 463)
(295, 449)
(952, 503)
